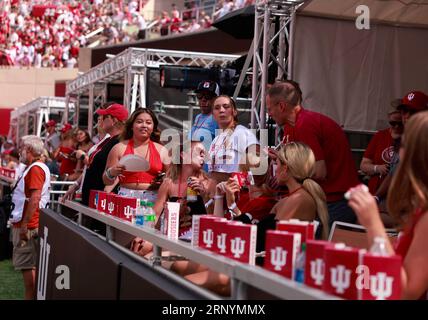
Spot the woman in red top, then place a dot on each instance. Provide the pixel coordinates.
(141, 138)
(408, 203)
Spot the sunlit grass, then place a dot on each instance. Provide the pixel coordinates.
(11, 283)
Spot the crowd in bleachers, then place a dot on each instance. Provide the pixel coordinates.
(50, 33)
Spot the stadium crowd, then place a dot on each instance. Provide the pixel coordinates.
(50, 33)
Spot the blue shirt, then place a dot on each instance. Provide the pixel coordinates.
(203, 129)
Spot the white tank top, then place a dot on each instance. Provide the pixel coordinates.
(18, 197)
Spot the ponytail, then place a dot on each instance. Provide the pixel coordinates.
(319, 197)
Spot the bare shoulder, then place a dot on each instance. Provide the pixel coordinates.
(301, 197)
(160, 148)
(120, 147)
(294, 205)
(422, 226)
(296, 198)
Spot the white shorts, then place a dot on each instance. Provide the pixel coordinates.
(148, 195)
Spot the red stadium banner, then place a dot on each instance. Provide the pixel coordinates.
(5, 116)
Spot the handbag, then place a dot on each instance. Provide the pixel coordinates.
(7, 202)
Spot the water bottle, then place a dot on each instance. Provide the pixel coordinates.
(150, 216)
(139, 215)
(379, 247)
(299, 275)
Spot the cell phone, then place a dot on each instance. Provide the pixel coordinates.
(159, 177)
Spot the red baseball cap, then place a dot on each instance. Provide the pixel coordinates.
(50, 123)
(115, 110)
(66, 127)
(415, 101)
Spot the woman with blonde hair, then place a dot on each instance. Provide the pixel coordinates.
(408, 204)
(306, 200)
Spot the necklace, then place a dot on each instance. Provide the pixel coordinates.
(217, 146)
(288, 195)
(133, 148)
(180, 183)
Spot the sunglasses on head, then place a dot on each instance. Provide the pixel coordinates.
(395, 123)
(207, 96)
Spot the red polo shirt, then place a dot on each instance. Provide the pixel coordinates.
(329, 143)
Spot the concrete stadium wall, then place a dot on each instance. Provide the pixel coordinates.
(21, 85)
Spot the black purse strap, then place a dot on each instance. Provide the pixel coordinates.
(16, 184)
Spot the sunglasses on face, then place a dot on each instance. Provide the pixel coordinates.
(407, 110)
(396, 123)
(205, 96)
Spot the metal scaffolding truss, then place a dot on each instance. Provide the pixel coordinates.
(274, 21)
(137, 58)
(38, 104)
(30, 117)
(130, 67)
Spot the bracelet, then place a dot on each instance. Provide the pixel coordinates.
(217, 197)
(108, 174)
(375, 169)
(233, 206)
(232, 214)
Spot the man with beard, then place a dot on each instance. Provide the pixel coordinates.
(31, 194)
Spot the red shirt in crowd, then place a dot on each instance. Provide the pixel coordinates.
(258, 207)
(381, 151)
(67, 165)
(34, 180)
(329, 143)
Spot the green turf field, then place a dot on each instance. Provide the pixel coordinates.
(11, 283)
